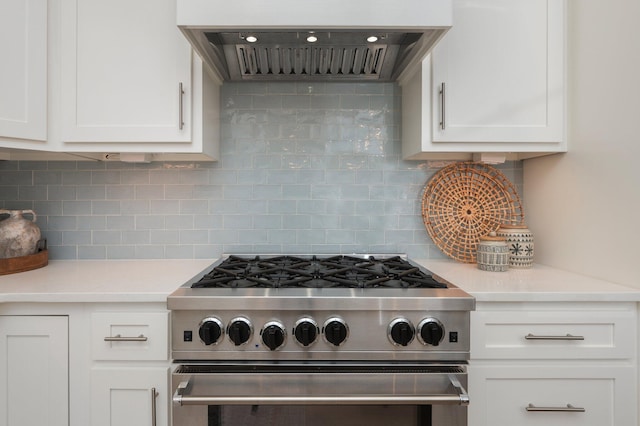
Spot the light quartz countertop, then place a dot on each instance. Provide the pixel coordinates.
(538, 284)
(96, 281)
(100, 280)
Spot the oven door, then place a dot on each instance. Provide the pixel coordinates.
(313, 394)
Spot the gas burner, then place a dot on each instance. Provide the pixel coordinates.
(317, 272)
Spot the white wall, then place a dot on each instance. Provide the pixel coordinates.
(584, 206)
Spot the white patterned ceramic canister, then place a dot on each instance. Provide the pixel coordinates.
(520, 242)
(492, 253)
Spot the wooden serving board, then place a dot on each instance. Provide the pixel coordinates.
(24, 263)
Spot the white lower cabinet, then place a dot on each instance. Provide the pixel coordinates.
(84, 364)
(553, 364)
(34, 370)
(551, 395)
(129, 366)
(129, 396)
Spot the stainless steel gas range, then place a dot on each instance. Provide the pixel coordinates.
(316, 340)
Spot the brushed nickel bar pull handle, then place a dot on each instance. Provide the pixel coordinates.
(442, 107)
(568, 409)
(180, 106)
(440, 399)
(181, 397)
(565, 337)
(119, 338)
(154, 395)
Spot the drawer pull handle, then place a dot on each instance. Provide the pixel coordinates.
(154, 395)
(569, 408)
(565, 337)
(119, 338)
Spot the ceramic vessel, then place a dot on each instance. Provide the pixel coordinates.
(520, 242)
(18, 236)
(492, 253)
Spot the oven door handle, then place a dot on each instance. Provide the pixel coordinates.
(182, 397)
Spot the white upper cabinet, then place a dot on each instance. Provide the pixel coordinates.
(494, 83)
(128, 82)
(122, 65)
(23, 73)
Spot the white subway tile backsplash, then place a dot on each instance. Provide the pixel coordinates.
(179, 251)
(72, 238)
(106, 238)
(32, 193)
(111, 207)
(89, 192)
(296, 221)
(194, 236)
(164, 237)
(119, 222)
(182, 221)
(92, 223)
(136, 237)
(149, 222)
(311, 236)
(196, 206)
(282, 236)
(164, 206)
(139, 252)
(119, 192)
(75, 208)
(75, 178)
(134, 206)
(92, 252)
(267, 222)
(149, 192)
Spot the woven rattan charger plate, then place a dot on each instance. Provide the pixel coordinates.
(465, 201)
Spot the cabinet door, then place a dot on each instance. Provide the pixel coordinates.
(129, 396)
(34, 371)
(552, 396)
(502, 69)
(123, 63)
(23, 74)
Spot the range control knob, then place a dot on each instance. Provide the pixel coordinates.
(273, 335)
(335, 331)
(431, 331)
(239, 330)
(305, 331)
(211, 330)
(401, 332)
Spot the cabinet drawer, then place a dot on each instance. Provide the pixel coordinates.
(533, 333)
(551, 396)
(129, 336)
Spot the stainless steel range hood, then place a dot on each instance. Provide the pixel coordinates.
(313, 40)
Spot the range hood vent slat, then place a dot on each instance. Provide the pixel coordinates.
(294, 62)
(335, 63)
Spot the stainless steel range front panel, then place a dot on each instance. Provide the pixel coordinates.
(367, 314)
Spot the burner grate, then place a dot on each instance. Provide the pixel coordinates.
(317, 272)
